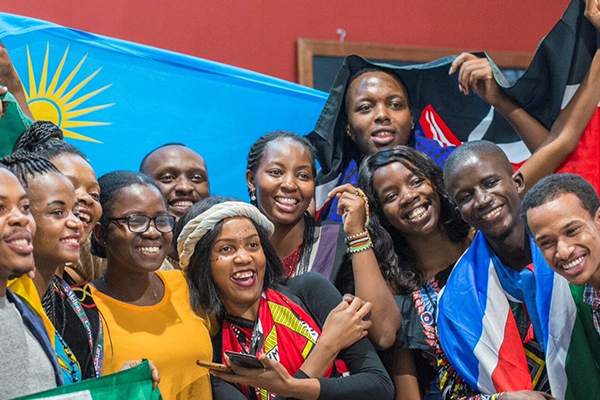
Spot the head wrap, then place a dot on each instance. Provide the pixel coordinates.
(195, 229)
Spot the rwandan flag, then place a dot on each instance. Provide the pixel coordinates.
(117, 100)
(450, 118)
(479, 335)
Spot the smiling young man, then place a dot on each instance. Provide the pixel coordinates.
(523, 332)
(563, 214)
(182, 177)
(28, 361)
(180, 173)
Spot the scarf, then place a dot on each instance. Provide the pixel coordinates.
(284, 332)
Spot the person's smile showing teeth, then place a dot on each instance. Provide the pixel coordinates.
(383, 137)
(21, 243)
(418, 213)
(287, 204)
(71, 240)
(149, 249)
(490, 215)
(569, 266)
(245, 278)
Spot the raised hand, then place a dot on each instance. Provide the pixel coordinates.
(476, 74)
(592, 12)
(351, 207)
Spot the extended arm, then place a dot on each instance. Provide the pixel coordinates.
(572, 121)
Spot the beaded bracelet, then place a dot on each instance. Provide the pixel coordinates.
(359, 242)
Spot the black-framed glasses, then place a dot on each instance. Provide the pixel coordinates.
(138, 223)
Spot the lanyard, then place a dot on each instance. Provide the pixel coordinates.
(97, 351)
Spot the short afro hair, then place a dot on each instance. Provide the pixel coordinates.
(554, 186)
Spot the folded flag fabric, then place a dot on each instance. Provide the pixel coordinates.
(13, 122)
(449, 118)
(132, 384)
(479, 334)
(117, 100)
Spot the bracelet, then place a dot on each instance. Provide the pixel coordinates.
(364, 247)
(359, 242)
(358, 235)
(363, 196)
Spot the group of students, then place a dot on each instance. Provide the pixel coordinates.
(461, 278)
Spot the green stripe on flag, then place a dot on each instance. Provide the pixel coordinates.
(132, 384)
(583, 358)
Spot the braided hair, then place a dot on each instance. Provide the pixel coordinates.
(24, 165)
(46, 139)
(257, 150)
(110, 186)
(255, 155)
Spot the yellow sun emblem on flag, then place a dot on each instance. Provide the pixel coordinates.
(59, 103)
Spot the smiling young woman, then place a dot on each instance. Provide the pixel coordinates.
(146, 311)
(418, 237)
(76, 336)
(297, 328)
(281, 183)
(46, 139)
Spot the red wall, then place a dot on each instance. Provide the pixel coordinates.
(261, 34)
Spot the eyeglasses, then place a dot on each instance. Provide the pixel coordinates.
(138, 223)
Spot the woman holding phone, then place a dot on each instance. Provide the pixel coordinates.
(300, 330)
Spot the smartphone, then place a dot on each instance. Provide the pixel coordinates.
(212, 365)
(244, 360)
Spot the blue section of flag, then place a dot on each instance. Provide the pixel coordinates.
(460, 315)
(156, 96)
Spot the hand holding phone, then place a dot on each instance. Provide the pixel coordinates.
(244, 360)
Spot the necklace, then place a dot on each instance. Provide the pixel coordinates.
(113, 295)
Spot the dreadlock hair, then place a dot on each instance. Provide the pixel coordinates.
(204, 294)
(110, 186)
(396, 259)
(142, 166)
(46, 139)
(255, 156)
(25, 165)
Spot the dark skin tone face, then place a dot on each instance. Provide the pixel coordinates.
(238, 267)
(17, 228)
(56, 212)
(378, 111)
(284, 182)
(487, 197)
(409, 202)
(569, 237)
(181, 174)
(87, 189)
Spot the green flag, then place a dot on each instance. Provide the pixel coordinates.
(12, 124)
(132, 384)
